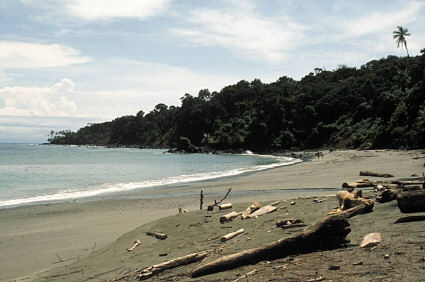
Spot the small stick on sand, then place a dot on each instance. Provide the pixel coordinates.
(136, 243)
(245, 275)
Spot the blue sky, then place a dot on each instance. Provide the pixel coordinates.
(64, 64)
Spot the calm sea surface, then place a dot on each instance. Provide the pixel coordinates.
(39, 173)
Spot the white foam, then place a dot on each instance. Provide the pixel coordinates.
(122, 187)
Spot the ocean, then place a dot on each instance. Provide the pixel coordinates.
(32, 173)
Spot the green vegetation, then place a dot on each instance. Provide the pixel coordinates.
(400, 37)
(379, 105)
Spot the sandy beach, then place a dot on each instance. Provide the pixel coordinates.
(47, 241)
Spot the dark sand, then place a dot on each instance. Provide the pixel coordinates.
(76, 241)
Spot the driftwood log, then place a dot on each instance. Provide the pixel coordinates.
(352, 204)
(411, 201)
(158, 268)
(228, 217)
(232, 235)
(261, 211)
(376, 174)
(328, 233)
(252, 208)
(136, 243)
(157, 235)
(289, 223)
(225, 206)
(387, 195)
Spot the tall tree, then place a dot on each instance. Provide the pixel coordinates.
(400, 37)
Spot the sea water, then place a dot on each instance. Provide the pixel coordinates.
(31, 173)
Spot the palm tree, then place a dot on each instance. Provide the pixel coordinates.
(400, 37)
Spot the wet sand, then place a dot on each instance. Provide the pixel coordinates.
(37, 238)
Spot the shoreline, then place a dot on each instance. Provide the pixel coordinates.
(37, 237)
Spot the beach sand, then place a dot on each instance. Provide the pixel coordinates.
(74, 241)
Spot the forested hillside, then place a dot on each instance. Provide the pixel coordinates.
(379, 105)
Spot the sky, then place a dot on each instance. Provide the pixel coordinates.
(67, 63)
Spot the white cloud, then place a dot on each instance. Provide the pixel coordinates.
(14, 54)
(379, 21)
(38, 101)
(109, 9)
(241, 29)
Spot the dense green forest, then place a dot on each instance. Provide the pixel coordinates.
(379, 105)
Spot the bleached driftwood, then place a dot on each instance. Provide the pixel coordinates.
(136, 243)
(225, 206)
(275, 203)
(158, 268)
(328, 233)
(228, 217)
(261, 211)
(252, 208)
(231, 235)
(376, 174)
(351, 204)
(158, 235)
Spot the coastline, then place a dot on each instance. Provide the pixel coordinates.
(38, 237)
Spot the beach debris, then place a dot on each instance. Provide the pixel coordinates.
(245, 275)
(261, 211)
(252, 208)
(410, 219)
(358, 263)
(386, 256)
(275, 203)
(201, 199)
(157, 235)
(289, 223)
(376, 174)
(320, 278)
(351, 204)
(136, 243)
(328, 233)
(232, 235)
(217, 203)
(411, 201)
(371, 240)
(158, 268)
(361, 183)
(163, 254)
(387, 195)
(181, 211)
(228, 217)
(225, 206)
(334, 267)
(317, 201)
(292, 203)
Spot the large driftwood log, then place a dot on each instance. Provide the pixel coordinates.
(411, 201)
(376, 174)
(328, 233)
(231, 235)
(261, 211)
(252, 208)
(158, 268)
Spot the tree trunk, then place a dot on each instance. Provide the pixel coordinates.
(328, 233)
